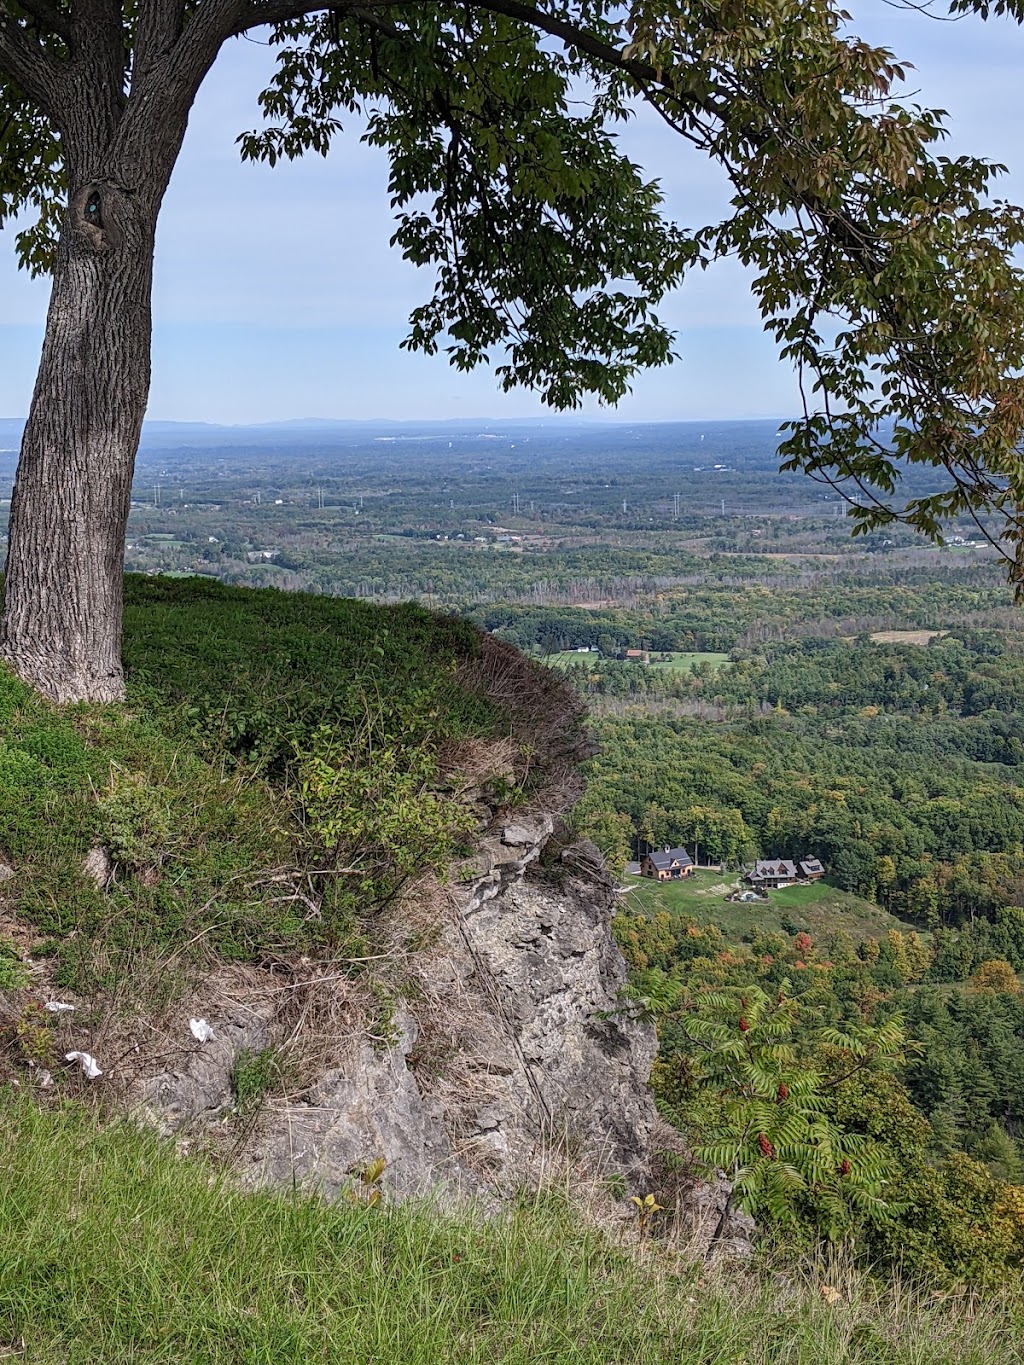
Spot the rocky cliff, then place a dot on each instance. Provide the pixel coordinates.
(507, 1038)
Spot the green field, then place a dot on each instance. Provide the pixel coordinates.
(818, 909)
(564, 657)
(680, 662)
(675, 660)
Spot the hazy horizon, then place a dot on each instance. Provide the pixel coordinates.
(559, 418)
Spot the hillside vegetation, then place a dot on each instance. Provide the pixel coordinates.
(282, 764)
(850, 1050)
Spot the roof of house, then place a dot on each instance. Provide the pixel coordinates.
(810, 865)
(663, 858)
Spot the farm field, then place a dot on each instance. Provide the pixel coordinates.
(564, 657)
(816, 909)
(677, 661)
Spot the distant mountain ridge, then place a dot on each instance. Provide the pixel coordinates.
(167, 435)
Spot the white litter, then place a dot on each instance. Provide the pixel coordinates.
(45, 1080)
(201, 1030)
(88, 1063)
(58, 1007)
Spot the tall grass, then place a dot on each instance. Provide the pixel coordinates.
(114, 1249)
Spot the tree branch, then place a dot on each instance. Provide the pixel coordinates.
(651, 85)
(26, 62)
(259, 12)
(574, 36)
(97, 36)
(165, 83)
(159, 27)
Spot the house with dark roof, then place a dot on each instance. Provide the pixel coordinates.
(666, 864)
(775, 872)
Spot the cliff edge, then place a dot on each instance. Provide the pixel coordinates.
(308, 899)
(509, 1039)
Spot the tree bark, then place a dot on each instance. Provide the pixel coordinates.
(121, 122)
(63, 587)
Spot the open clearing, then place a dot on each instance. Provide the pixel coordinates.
(817, 909)
(906, 637)
(676, 660)
(682, 662)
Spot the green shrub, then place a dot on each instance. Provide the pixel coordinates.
(13, 973)
(254, 674)
(266, 737)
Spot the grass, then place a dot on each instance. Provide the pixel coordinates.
(112, 1249)
(700, 895)
(681, 662)
(819, 908)
(564, 657)
(196, 787)
(676, 660)
(906, 637)
(259, 670)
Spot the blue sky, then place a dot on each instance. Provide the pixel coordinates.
(277, 296)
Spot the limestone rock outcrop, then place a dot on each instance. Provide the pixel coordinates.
(510, 1045)
(512, 1038)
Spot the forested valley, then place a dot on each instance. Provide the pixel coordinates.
(760, 685)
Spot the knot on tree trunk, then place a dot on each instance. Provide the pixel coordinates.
(97, 213)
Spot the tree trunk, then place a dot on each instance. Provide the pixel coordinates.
(63, 587)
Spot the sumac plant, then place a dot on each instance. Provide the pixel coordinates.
(768, 1126)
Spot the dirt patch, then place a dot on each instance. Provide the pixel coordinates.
(25, 937)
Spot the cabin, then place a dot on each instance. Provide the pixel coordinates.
(769, 873)
(666, 864)
(773, 872)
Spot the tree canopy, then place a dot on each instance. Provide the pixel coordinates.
(884, 269)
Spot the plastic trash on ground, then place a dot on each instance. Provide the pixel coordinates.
(201, 1030)
(58, 1007)
(87, 1062)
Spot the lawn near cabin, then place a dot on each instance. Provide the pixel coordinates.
(817, 909)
